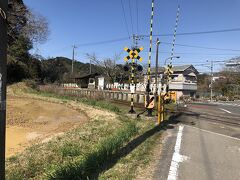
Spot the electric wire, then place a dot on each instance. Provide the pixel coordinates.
(125, 20)
(202, 47)
(198, 33)
(194, 53)
(137, 16)
(104, 42)
(131, 18)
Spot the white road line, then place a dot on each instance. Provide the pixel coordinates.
(214, 133)
(227, 104)
(225, 110)
(177, 157)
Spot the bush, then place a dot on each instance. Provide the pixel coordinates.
(31, 83)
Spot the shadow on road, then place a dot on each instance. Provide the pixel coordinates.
(228, 120)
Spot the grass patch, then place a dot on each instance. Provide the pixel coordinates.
(35, 161)
(88, 166)
(84, 100)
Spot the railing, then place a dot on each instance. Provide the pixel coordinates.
(95, 94)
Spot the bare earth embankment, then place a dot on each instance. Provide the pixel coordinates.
(31, 120)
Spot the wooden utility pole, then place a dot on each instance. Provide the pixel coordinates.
(211, 98)
(73, 57)
(3, 81)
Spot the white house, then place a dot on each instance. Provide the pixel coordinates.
(184, 80)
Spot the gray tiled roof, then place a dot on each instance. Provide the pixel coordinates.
(175, 68)
(180, 68)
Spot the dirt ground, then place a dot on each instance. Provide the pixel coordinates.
(30, 121)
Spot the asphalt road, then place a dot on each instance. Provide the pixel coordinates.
(205, 144)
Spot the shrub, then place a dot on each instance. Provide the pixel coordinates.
(31, 83)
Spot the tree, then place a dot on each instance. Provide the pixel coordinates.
(113, 71)
(22, 22)
(36, 28)
(25, 29)
(203, 82)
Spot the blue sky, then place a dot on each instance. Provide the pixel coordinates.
(80, 22)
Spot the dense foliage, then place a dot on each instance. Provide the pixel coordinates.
(25, 29)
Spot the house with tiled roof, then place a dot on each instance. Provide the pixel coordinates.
(183, 80)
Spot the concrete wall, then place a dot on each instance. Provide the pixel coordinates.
(96, 94)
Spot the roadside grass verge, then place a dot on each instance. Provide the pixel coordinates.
(102, 148)
(88, 166)
(37, 160)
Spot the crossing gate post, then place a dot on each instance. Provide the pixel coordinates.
(133, 55)
(148, 90)
(132, 88)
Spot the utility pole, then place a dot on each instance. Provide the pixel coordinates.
(211, 80)
(135, 39)
(90, 69)
(156, 71)
(73, 57)
(3, 81)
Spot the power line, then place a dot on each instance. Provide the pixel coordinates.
(130, 9)
(194, 53)
(199, 32)
(104, 42)
(125, 20)
(137, 15)
(127, 38)
(201, 47)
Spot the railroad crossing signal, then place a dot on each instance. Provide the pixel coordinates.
(133, 53)
(169, 70)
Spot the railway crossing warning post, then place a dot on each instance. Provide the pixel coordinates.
(3, 79)
(149, 98)
(133, 54)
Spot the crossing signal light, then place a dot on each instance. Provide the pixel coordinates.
(139, 68)
(126, 67)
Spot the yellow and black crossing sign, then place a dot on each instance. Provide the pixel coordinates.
(149, 101)
(169, 70)
(133, 53)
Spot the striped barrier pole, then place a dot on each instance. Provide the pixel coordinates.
(148, 90)
(132, 87)
(172, 51)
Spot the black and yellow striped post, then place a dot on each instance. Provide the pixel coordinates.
(169, 68)
(132, 86)
(148, 90)
(133, 55)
